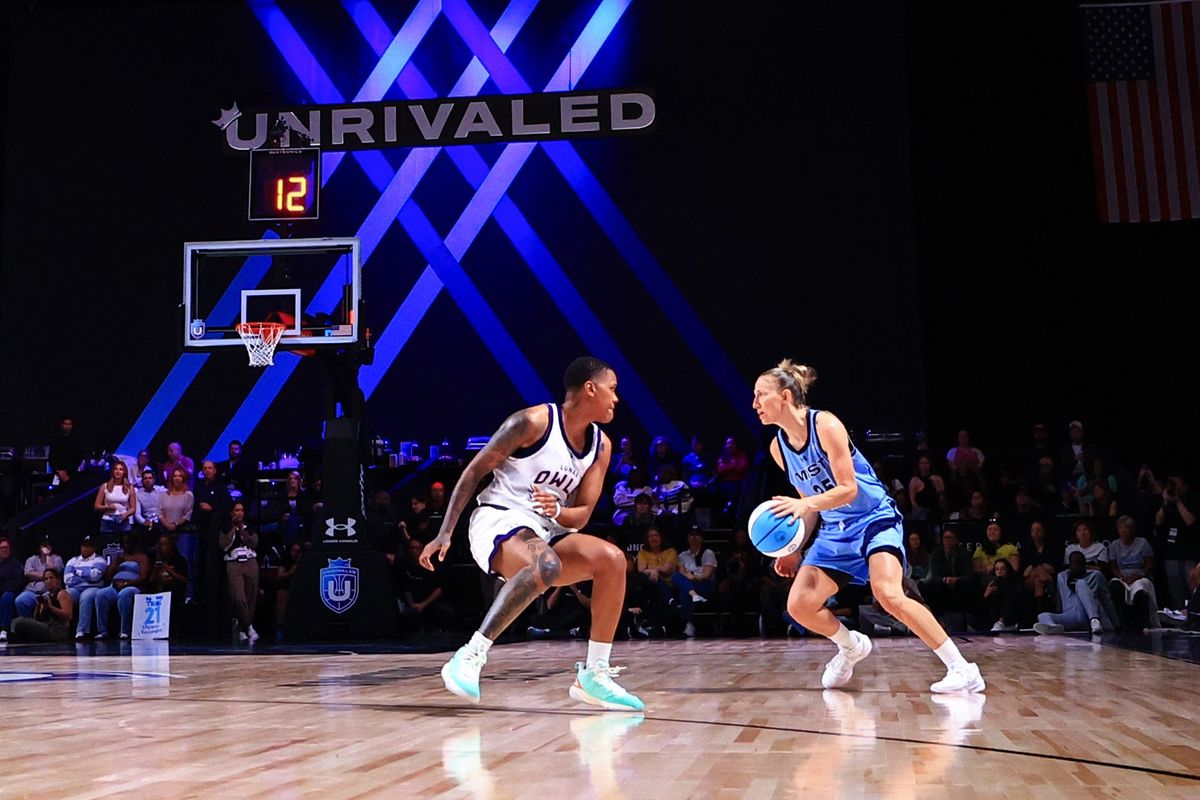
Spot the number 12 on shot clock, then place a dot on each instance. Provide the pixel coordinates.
(285, 184)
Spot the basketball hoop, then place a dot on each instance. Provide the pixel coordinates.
(260, 339)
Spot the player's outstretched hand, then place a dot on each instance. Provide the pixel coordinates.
(440, 544)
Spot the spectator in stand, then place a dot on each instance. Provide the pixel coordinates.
(626, 460)
(993, 548)
(176, 458)
(1024, 511)
(1040, 559)
(644, 515)
(655, 565)
(143, 462)
(421, 598)
(236, 472)
(1132, 560)
(563, 611)
(1039, 446)
(12, 583)
(84, 578)
(1179, 534)
(387, 533)
(1043, 485)
(127, 575)
(661, 455)
(917, 555)
(1095, 553)
(925, 490)
(697, 466)
(948, 586)
(694, 578)
(212, 500)
(977, 509)
(66, 452)
(673, 495)
(739, 589)
(1098, 502)
(626, 492)
(149, 506)
(966, 463)
(279, 583)
(732, 466)
(1149, 489)
(238, 545)
(437, 499)
(1004, 598)
(169, 571)
(35, 570)
(1080, 608)
(51, 620)
(116, 501)
(1077, 458)
(418, 522)
(175, 508)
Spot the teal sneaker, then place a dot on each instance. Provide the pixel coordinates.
(596, 687)
(461, 673)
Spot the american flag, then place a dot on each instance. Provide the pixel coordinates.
(1143, 73)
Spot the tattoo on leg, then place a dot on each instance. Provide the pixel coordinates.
(522, 588)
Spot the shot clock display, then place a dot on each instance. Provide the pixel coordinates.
(285, 184)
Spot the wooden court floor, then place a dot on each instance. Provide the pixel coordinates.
(1062, 717)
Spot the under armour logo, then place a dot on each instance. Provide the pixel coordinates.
(333, 527)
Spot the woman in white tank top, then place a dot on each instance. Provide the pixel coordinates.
(116, 501)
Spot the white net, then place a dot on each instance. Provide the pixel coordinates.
(260, 339)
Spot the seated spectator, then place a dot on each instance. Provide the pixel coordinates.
(84, 578)
(977, 509)
(116, 501)
(673, 495)
(966, 463)
(169, 571)
(387, 533)
(51, 620)
(917, 556)
(732, 467)
(127, 574)
(277, 581)
(993, 548)
(625, 460)
(694, 578)
(624, 493)
(35, 571)
(563, 611)
(698, 470)
(12, 583)
(143, 462)
(238, 544)
(655, 565)
(419, 522)
(1024, 511)
(421, 599)
(1132, 560)
(1081, 609)
(1098, 501)
(925, 491)
(1095, 553)
(1003, 598)
(641, 512)
(175, 509)
(739, 588)
(948, 586)
(1078, 457)
(177, 460)
(149, 506)
(1039, 559)
(661, 455)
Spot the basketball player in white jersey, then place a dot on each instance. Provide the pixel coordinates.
(548, 464)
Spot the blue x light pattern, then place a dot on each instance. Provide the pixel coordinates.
(489, 201)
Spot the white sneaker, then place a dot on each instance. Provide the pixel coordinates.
(3, 636)
(1097, 628)
(840, 668)
(123, 635)
(1048, 629)
(960, 679)
(252, 635)
(1000, 627)
(242, 637)
(461, 673)
(689, 630)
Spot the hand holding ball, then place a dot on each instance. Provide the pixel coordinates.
(772, 535)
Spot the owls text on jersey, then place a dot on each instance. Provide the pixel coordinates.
(810, 472)
(551, 464)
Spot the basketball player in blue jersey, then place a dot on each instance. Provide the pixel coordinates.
(860, 536)
(548, 465)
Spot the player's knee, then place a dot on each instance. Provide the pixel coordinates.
(804, 604)
(612, 559)
(890, 598)
(547, 568)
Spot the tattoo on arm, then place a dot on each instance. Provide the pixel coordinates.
(515, 431)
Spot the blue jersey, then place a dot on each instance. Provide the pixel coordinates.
(809, 471)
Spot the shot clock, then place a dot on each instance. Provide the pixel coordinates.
(285, 184)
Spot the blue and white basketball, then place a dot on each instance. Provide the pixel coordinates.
(774, 536)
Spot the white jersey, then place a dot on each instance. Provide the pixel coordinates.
(551, 464)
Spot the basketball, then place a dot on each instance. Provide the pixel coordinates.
(774, 536)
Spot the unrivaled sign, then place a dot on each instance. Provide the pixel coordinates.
(450, 121)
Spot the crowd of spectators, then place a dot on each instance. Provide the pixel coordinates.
(1050, 537)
